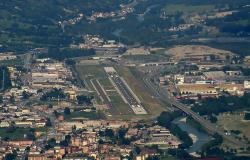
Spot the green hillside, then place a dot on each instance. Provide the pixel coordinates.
(32, 23)
(26, 24)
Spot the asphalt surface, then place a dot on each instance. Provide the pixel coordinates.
(125, 91)
(127, 94)
(163, 96)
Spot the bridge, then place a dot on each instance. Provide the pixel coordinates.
(212, 129)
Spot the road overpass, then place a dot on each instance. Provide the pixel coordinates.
(212, 129)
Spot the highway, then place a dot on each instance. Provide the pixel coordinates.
(163, 96)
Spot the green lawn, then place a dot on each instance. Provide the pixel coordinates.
(88, 73)
(91, 70)
(105, 82)
(121, 107)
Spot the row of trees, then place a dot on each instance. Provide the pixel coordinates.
(61, 54)
(53, 94)
(84, 100)
(247, 116)
(52, 142)
(118, 137)
(211, 148)
(4, 75)
(222, 104)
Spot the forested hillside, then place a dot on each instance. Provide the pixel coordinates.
(31, 23)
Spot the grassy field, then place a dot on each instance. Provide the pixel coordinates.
(120, 105)
(91, 72)
(17, 134)
(133, 78)
(235, 122)
(88, 72)
(121, 110)
(175, 8)
(105, 82)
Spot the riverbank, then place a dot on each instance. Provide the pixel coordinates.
(199, 138)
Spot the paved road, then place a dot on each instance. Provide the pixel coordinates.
(163, 95)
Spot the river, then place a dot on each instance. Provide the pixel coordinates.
(199, 138)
